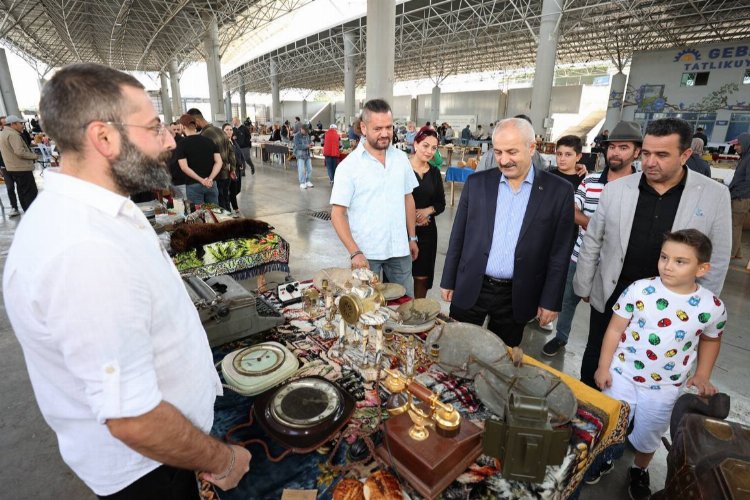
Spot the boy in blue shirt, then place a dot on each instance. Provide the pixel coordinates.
(661, 327)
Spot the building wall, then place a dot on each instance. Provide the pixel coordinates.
(655, 88)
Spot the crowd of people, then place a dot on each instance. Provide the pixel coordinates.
(648, 251)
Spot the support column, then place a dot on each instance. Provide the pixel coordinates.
(381, 47)
(545, 63)
(174, 81)
(228, 107)
(7, 93)
(243, 104)
(166, 104)
(616, 94)
(413, 110)
(350, 76)
(275, 100)
(435, 105)
(304, 110)
(213, 65)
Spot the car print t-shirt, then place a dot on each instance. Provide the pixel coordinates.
(659, 345)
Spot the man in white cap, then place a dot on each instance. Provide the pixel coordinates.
(331, 150)
(19, 160)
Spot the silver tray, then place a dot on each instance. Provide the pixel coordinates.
(418, 311)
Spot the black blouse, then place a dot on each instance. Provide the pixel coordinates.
(430, 191)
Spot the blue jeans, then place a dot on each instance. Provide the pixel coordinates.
(569, 303)
(331, 163)
(198, 193)
(304, 170)
(396, 270)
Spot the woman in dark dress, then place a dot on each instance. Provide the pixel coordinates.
(429, 198)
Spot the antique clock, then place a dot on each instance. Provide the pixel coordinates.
(252, 370)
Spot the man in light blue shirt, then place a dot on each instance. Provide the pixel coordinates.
(373, 209)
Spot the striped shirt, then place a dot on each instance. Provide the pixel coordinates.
(587, 199)
(511, 209)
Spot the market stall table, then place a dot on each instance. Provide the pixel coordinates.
(598, 428)
(457, 174)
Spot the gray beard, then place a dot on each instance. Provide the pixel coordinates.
(135, 172)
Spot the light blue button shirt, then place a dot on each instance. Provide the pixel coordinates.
(511, 208)
(374, 196)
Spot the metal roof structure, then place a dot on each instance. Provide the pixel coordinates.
(131, 35)
(438, 38)
(434, 38)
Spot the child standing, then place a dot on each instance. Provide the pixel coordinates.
(661, 326)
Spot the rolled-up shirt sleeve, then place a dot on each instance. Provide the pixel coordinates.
(103, 329)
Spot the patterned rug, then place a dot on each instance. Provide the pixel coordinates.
(314, 471)
(240, 258)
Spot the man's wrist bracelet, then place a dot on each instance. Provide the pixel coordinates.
(230, 468)
(358, 252)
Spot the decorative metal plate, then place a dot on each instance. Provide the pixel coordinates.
(391, 291)
(418, 311)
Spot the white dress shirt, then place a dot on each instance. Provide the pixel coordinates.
(106, 326)
(374, 196)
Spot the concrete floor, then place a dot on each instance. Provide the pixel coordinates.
(31, 466)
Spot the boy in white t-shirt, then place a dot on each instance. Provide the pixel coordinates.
(661, 326)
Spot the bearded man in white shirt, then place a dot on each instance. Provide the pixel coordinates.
(116, 353)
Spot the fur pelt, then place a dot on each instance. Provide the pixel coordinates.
(190, 236)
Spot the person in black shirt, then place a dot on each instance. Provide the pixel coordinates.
(200, 161)
(429, 200)
(568, 153)
(700, 135)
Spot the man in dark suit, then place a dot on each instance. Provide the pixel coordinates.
(510, 244)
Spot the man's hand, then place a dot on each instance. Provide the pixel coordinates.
(360, 261)
(704, 386)
(241, 465)
(603, 378)
(207, 183)
(581, 170)
(545, 316)
(447, 295)
(413, 250)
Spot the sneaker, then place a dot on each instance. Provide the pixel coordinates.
(552, 347)
(14, 213)
(309, 184)
(236, 214)
(303, 186)
(639, 484)
(549, 327)
(605, 469)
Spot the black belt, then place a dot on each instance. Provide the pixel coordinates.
(497, 281)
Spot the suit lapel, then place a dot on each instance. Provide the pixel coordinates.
(537, 190)
(688, 203)
(627, 207)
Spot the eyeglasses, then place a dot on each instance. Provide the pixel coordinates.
(158, 130)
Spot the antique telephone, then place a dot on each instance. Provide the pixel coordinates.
(430, 462)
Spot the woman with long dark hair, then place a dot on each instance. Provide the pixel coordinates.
(235, 178)
(429, 199)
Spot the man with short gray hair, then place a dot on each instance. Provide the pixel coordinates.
(510, 244)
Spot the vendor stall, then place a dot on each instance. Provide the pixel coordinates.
(597, 425)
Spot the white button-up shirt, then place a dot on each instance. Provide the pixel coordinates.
(106, 326)
(374, 196)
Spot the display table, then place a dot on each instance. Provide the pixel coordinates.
(271, 148)
(457, 174)
(599, 426)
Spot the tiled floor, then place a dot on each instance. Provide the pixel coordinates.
(30, 464)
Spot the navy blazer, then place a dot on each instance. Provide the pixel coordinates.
(542, 252)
